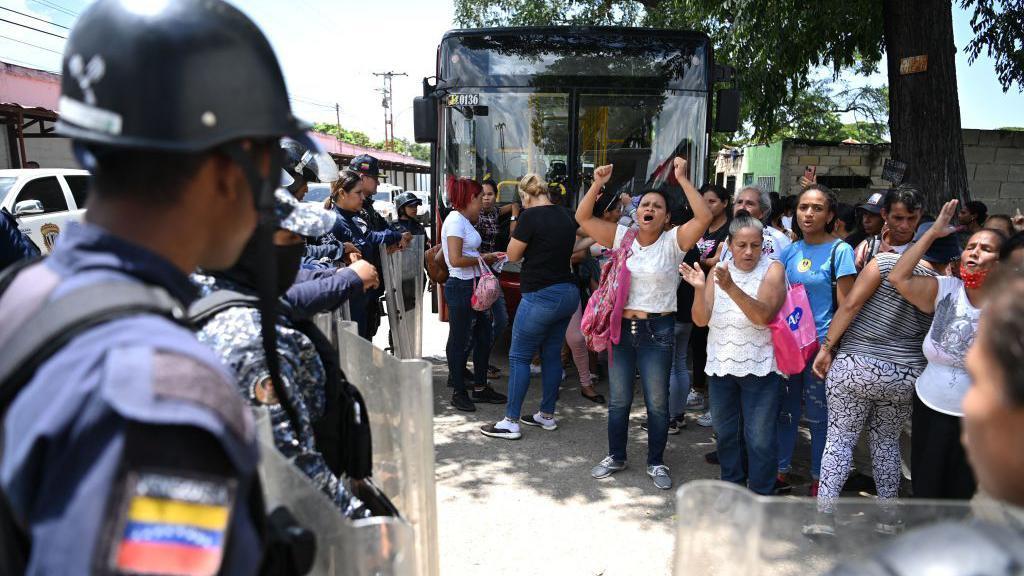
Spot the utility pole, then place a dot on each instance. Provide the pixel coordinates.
(389, 118)
(337, 115)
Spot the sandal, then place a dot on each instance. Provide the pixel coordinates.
(595, 397)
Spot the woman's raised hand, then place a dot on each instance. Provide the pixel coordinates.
(942, 228)
(602, 174)
(693, 275)
(680, 167)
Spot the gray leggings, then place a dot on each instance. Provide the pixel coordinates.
(860, 389)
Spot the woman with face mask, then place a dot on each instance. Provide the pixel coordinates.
(647, 326)
(939, 467)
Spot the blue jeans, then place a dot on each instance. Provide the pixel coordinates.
(679, 382)
(467, 329)
(540, 323)
(750, 402)
(646, 345)
(809, 389)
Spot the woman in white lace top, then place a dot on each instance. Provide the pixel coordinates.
(743, 297)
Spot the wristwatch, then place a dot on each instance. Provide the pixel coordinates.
(513, 219)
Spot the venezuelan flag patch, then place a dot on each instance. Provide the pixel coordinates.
(173, 526)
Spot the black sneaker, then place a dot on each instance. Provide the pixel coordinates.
(487, 395)
(673, 426)
(782, 486)
(462, 402)
(712, 457)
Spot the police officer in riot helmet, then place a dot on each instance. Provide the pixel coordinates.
(305, 166)
(134, 430)
(407, 219)
(229, 322)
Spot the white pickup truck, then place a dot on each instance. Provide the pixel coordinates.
(44, 200)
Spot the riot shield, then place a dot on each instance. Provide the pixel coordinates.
(726, 530)
(328, 322)
(370, 547)
(403, 293)
(399, 399)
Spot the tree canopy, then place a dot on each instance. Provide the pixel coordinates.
(777, 47)
(402, 146)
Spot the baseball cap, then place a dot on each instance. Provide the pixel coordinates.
(874, 203)
(365, 164)
(943, 250)
(302, 218)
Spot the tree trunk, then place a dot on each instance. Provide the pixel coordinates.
(924, 107)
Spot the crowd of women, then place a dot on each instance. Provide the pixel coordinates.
(895, 297)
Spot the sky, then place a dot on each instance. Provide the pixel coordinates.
(330, 49)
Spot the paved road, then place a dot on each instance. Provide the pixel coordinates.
(531, 505)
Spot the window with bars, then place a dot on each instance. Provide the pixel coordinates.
(766, 183)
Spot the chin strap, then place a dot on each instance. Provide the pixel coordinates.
(263, 197)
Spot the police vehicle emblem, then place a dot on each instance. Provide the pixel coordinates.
(49, 231)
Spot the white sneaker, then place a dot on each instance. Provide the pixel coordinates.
(503, 428)
(534, 370)
(539, 419)
(695, 401)
(705, 419)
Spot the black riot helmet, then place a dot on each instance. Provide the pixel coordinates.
(404, 199)
(178, 75)
(306, 165)
(183, 76)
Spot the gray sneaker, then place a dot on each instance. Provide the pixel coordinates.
(607, 467)
(660, 475)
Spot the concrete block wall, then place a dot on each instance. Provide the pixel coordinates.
(833, 160)
(995, 167)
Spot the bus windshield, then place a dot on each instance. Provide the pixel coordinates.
(506, 135)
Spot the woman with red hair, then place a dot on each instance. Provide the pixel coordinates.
(467, 328)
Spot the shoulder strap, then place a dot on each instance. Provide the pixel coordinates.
(832, 274)
(48, 330)
(203, 310)
(627, 240)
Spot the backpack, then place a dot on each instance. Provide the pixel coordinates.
(486, 290)
(437, 268)
(604, 307)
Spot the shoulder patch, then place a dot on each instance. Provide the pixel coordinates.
(172, 524)
(184, 378)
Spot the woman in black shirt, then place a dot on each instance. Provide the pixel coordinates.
(543, 236)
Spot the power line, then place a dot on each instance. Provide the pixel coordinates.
(31, 28)
(59, 53)
(56, 7)
(35, 18)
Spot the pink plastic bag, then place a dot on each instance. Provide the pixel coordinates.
(794, 336)
(485, 290)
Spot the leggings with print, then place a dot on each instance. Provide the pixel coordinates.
(859, 389)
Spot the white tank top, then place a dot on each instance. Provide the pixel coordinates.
(736, 346)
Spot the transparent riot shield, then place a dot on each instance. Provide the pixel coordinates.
(370, 547)
(399, 398)
(403, 293)
(726, 530)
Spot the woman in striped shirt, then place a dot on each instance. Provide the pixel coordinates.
(870, 376)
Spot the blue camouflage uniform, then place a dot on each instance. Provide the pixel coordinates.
(14, 244)
(322, 290)
(130, 413)
(234, 335)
